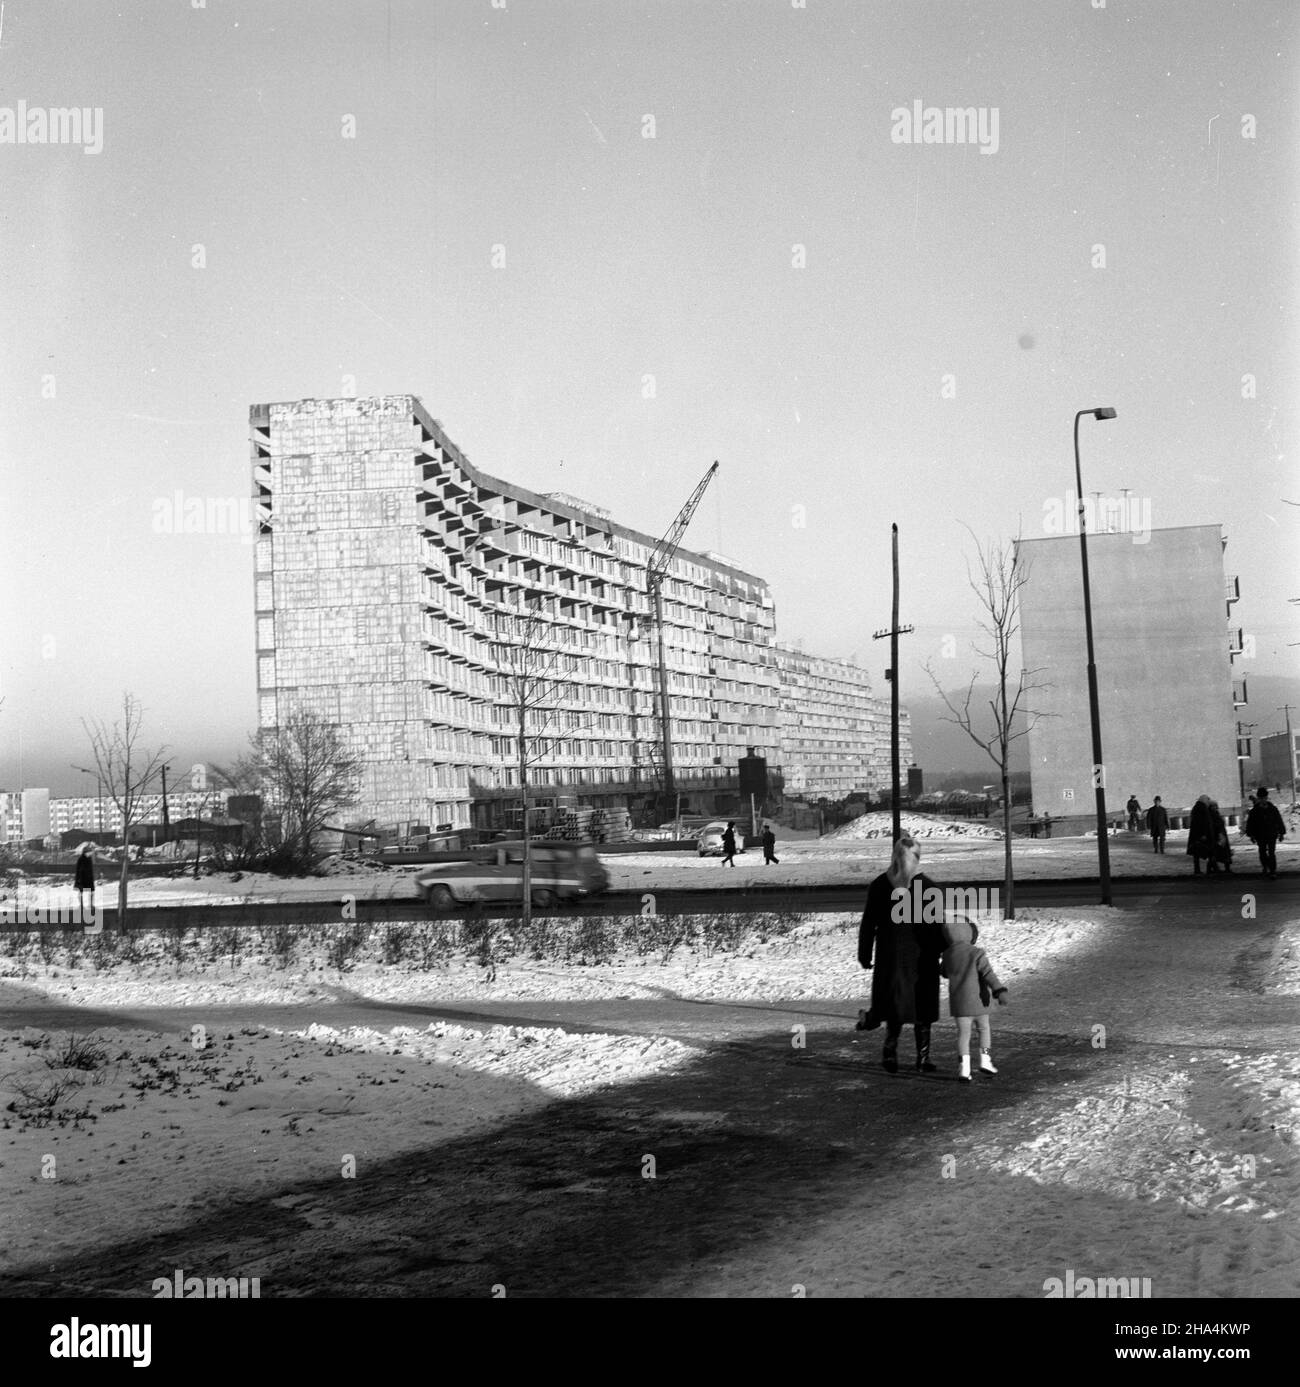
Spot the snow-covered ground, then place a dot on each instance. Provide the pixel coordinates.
(815, 958)
(149, 1130)
(293, 1100)
(878, 825)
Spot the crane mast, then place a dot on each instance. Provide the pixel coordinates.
(656, 568)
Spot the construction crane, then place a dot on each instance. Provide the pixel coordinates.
(656, 569)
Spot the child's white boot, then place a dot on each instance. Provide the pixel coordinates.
(964, 1072)
(986, 1063)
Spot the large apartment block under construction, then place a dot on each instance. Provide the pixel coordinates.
(389, 571)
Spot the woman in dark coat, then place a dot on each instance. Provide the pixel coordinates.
(1200, 835)
(1221, 853)
(905, 975)
(84, 880)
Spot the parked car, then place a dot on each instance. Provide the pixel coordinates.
(560, 871)
(709, 843)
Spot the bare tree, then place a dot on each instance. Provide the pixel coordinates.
(529, 653)
(1003, 573)
(308, 773)
(126, 770)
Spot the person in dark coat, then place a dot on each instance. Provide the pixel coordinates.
(972, 985)
(769, 846)
(903, 954)
(729, 845)
(1264, 826)
(1158, 824)
(84, 876)
(1134, 811)
(1221, 856)
(1200, 835)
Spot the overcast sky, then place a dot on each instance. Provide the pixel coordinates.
(607, 243)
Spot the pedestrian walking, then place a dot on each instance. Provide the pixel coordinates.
(1221, 856)
(1157, 824)
(84, 876)
(1134, 813)
(903, 954)
(1033, 823)
(972, 985)
(769, 846)
(729, 844)
(1264, 826)
(1047, 824)
(1200, 835)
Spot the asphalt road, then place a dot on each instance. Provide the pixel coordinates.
(1283, 892)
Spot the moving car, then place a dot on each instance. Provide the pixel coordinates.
(560, 871)
(709, 843)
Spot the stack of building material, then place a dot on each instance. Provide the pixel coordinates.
(611, 826)
(571, 825)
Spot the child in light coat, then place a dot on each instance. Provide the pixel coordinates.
(972, 984)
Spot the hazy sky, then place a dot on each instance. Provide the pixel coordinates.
(713, 247)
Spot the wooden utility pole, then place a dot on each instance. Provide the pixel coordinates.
(892, 675)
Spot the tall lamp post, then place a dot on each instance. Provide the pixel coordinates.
(99, 793)
(1098, 765)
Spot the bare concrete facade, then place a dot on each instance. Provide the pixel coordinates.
(1160, 616)
(386, 565)
(834, 733)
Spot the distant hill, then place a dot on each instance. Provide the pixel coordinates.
(941, 748)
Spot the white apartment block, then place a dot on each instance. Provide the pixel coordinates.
(11, 816)
(90, 811)
(834, 733)
(389, 570)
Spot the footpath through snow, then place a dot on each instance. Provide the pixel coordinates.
(1187, 1110)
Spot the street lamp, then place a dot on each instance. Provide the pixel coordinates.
(99, 794)
(1098, 765)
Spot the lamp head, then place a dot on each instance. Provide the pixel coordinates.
(1104, 413)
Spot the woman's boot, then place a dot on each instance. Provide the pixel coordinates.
(923, 1050)
(890, 1057)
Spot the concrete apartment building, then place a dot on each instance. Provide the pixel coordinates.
(834, 735)
(11, 816)
(389, 571)
(88, 811)
(1164, 653)
(24, 815)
